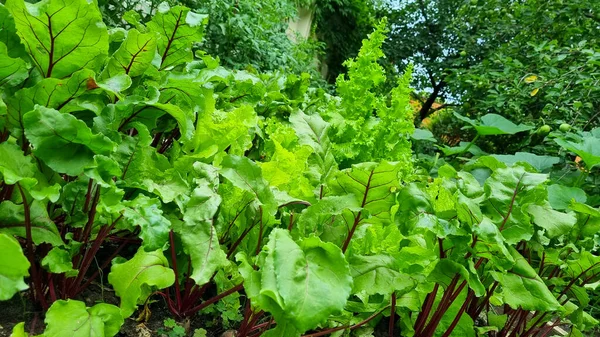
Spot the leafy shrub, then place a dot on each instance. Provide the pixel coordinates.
(302, 210)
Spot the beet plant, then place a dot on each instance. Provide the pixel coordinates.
(131, 160)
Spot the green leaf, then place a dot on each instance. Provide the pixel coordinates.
(560, 196)
(465, 326)
(510, 190)
(62, 141)
(198, 235)
(52, 93)
(374, 185)
(378, 274)
(522, 287)
(286, 171)
(59, 261)
(134, 280)
(540, 163)
(134, 55)
(588, 149)
(461, 148)
(314, 218)
(312, 131)
(216, 130)
(61, 37)
(43, 229)
(14, 267)
(12, 70)
(16, 166)
(493, 124)
(300, 284)
(245, 174)
(9, 35)
(423, 134)
(178, 28)
(555, 223)
(19, 330)
(72, 319)
(154, 227)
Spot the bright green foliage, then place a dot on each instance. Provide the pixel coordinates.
(72, 318)
(62, 141)
(198, 235)
(61, 37)
(154, 227)
(298, 283)
(14, 267)
(59, 261)
(133, 56)
(367, 127)
(19, 330)
(177, 28)
(492, 124)
(522, 287)
(289, 205)
(587, 147)
(134, 280)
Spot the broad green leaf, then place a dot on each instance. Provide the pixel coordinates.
(374, 185)
(59, 261)
(468, 210)
(378, 274)
(43, 229)
(63, 142)
(14, 267)
(555, 223)
(509, 190)
(589, 219)
(423, 134)
(282, 330)
(491, 245)
(245, 174)
(198, 235)
(72, 319)
(312, 131)
(134, 56)
(52, 93)
(522, 287)
(588, 149)
(12, 70)
(376, 239)
(146, 169)
(560, 196)
(115, 84)
(465, 326)
(19, 330)
(540, 163)
(462, 148)
(216, 130)
(134, 280)
(493, 124)
(104, 171)
(177, 28)
(286, 171)
(154, 227)
(300, 284)
(314, 218)
(445, 270)
(61, 36)
(9, 35)
(15, 166)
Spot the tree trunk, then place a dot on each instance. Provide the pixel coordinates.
(426, 107)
